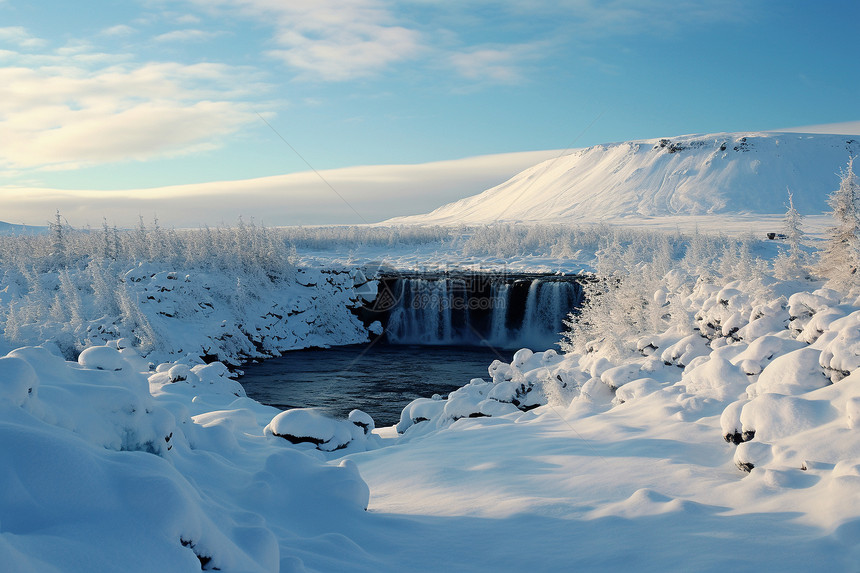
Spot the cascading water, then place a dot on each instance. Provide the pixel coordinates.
(498, 319)
(497, 311)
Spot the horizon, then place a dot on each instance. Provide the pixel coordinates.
(375, 187)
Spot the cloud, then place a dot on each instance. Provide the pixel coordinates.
(338, 40)
(19, 36)
(843, 128)
(186, 19)
(84, 108)
(375, 192)
(493, 64)
(501, 64)
(606, 18)
(188, 35)
(331, 40)
(118, 30)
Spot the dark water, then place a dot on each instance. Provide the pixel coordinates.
(379, 379)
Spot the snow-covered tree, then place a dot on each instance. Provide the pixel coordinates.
(791, 263)
(839, 259)
(58, 241)
(108, 246)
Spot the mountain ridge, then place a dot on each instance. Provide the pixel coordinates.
(721, 174)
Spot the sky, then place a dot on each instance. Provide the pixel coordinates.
(146, 100)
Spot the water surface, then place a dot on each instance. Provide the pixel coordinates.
(379, 379)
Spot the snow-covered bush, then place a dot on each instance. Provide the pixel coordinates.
(217, 294)
(528, 381)
(791, 263)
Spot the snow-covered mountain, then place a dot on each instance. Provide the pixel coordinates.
(12, 229)
(723, 174)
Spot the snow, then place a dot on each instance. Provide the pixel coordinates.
(627, 455)
(307, 426)
(725, 181)
(627, 448)
(231, 316)
(91, 461)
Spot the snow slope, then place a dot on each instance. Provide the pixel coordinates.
(12, 229)
(744, 174)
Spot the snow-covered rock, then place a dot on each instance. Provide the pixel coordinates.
(101, 358)
(791, 373)
(306, 425)
(770, 417)
(716, 379)
(840, 356)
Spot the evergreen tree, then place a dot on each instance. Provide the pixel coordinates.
(107, 241)
(791, 264)
(840, 256)
(58, 242)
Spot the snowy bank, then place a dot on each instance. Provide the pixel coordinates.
(189, 312)
(100, 474)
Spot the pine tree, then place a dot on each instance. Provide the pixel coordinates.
(840, 257)
(791, 264)
(58, 242)
(106, 240)
(140, 243)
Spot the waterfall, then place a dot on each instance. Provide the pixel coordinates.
(499, 311)
(498, 319)
(531, 318)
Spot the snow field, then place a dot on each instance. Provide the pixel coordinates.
(739, 434)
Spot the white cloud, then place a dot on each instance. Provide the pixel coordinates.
(19, 36)
(339, 40)
(118, 30)
(376, 192)
(604, 18)
(188, 35)
(498, 64)
(331, 40)
(843, 128)
(187, 19)
(66, 111)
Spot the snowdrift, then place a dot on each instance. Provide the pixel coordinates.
(104, 470)
(691, 175)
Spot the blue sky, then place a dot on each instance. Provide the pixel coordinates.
(98, 95)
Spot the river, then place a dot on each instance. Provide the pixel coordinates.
(379, 378)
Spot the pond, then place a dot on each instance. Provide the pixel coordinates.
(379, 378)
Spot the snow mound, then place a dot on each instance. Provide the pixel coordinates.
(525, 383)
(101, 358)
(792, 373)
(18, 380)
(309, 426)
